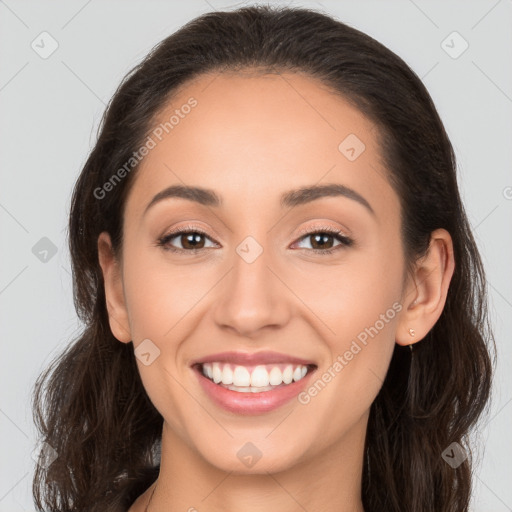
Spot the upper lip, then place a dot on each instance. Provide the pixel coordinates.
(256, 358)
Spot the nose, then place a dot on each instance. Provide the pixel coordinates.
(253, 296)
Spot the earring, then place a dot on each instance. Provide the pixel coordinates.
(412, 333)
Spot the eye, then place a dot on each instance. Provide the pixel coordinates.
(322, 240)
(190, 238)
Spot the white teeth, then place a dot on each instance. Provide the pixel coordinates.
(275, 376)
(217, 373)
(288, 374)
(227, 375)
(262, 377)
(297, 373)
(241, 376)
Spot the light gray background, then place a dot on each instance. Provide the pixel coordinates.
(51, 108)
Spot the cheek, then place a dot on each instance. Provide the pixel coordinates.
(159, 293)
(360, 303)
(352, 293)
(159, 300)
(342, 392)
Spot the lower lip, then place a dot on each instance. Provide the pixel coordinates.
(252, 403)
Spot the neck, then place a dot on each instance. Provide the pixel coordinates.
(330, 481)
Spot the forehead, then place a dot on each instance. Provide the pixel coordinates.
(256, 135)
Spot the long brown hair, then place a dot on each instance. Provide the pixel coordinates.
(90, 405)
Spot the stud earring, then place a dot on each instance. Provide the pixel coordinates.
(412, 332)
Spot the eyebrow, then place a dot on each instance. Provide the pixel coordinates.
(292, 198)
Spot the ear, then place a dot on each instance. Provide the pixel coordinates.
(426, 290)
(114, 296)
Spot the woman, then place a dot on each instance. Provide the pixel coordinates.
(284, 305)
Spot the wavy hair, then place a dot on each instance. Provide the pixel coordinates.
(90, 405)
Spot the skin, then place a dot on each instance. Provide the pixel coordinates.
(251, 138)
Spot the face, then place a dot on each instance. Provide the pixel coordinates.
(315, 277)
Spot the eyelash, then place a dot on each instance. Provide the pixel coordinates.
(339, 235)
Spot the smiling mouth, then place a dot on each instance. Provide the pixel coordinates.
(256, 378)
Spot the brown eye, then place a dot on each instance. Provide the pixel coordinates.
(323, 241)
(191, 240)
(187, 240)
